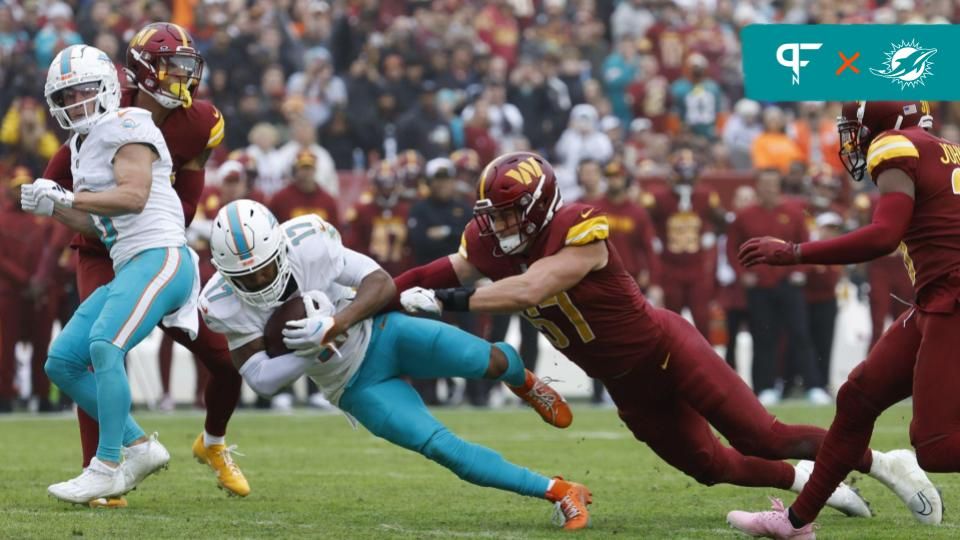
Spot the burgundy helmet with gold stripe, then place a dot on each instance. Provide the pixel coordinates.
(517, 196)
(163, 62)
(861, 121)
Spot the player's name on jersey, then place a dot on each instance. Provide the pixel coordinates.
(786, 62)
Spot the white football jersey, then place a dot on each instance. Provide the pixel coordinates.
(161, 223)
(318, 262)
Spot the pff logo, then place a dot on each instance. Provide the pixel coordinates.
(794, 62)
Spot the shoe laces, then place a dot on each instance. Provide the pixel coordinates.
(542, 393)
(227, 455)
(565, 509)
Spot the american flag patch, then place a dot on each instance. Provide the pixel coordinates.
(910, 109)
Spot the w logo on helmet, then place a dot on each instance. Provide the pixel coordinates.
(526, 171)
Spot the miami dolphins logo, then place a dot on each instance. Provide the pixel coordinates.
(907, 64)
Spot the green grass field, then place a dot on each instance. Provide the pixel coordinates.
(314, 477)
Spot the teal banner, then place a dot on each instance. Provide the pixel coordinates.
(839, 62)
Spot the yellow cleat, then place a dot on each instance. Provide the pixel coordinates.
(112, 503)
(217, 456)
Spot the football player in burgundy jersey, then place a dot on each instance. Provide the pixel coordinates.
(918, 175)
(555, 264)
(165, 70)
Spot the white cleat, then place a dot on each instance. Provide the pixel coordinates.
(899, 471)
(96, 481)
(142, 460)
(844, 498)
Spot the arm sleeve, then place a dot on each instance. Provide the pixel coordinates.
(438, 274)
(189, 187)
(267, 375)
(890, 221)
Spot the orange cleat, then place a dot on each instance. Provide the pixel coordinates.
(571, 500)
(548, 403)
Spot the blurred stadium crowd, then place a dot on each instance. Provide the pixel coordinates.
(379, 115)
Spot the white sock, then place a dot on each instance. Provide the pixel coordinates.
(210, 440)
(799, 480)
(877, 456)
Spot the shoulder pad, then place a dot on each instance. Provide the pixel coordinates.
(888, 146)
(589, 225)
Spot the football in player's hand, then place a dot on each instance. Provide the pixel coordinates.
(291, 310)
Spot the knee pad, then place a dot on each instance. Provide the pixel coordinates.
(63, 362)
(56, 370)
(105, 355)
(450, 451)
(853, 405)
(939, 455)
(703, 467)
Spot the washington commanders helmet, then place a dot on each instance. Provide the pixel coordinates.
(861, 121)
(517, 196)
(162, 51)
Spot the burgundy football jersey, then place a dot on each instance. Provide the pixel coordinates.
(931, 246)
(603, 324)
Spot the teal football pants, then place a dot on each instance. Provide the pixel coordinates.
(391, 409)
(109, 323)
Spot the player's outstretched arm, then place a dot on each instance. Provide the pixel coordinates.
(265, 375)
(545, 278)
(133, 170)
(890, 222)
(445, 272)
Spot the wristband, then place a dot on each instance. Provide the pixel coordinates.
(457, 299)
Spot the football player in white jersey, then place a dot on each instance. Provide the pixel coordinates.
(356, 358)
(121, 170)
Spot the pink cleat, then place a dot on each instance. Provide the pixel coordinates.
(771, 524)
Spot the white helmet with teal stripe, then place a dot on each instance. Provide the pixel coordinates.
(81, 87)
(250, 252)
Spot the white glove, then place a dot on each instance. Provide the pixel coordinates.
(30, 203)
(308, 337)
(43, 188)
(420, 300)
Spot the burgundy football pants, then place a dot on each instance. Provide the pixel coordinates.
(885, 281)
(672, 397)
(223, 390)
(916, 356)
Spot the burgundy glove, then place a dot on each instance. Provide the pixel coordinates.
(769, 250)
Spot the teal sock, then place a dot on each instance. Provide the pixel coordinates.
(484, 467)
(75, 380)
(516, 373)
(113, 400)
